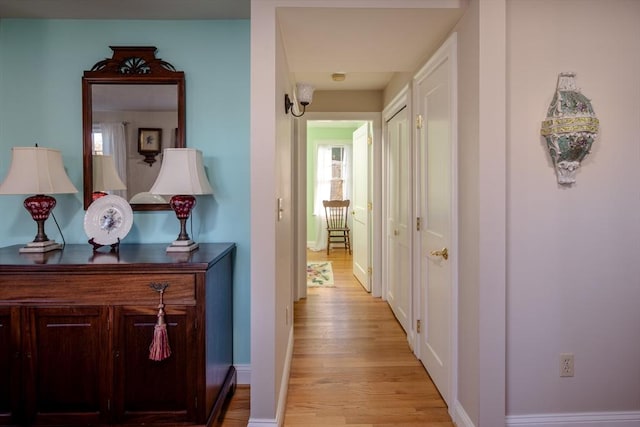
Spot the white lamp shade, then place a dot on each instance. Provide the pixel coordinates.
(182, 173)
(105, 175)
(304, 93)
(36, 170)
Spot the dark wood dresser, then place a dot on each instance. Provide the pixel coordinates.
(76, 326)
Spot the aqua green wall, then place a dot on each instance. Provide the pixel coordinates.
(315, 137)
(41, 66)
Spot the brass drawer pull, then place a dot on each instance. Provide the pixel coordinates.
(158, 287)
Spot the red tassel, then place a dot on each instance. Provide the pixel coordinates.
(159, 348)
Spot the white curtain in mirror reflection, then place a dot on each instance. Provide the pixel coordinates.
(113, 138)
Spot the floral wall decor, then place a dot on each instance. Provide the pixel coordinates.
(570, 128)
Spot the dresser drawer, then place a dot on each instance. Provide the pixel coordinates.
(103, 289)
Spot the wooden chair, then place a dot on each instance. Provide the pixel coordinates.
(337, 213)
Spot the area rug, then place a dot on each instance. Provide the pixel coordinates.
(320, 275)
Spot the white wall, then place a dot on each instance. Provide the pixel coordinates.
(468, 202)
(272, 238)
(334, 101)
(263, 231)
(482, 212)
(574, 252)
(284, 229)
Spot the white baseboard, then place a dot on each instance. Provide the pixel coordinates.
(460, 416)
(262, 422)
(580, 419)
(284, 383)
(244, 373)
(282, 398)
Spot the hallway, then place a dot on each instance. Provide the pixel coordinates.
(351, 363)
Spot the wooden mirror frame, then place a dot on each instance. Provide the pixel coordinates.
(129, 65)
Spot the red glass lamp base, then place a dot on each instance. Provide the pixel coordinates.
(39, 207)
(97, 194)
(182, 206)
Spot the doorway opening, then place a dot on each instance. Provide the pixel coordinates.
(337, 169)
(336, 155)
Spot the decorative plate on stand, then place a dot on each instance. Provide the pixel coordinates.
(108, 220)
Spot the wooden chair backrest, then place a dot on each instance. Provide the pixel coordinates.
(337, 213)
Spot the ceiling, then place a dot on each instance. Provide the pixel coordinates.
(126, 9)
(369, 45)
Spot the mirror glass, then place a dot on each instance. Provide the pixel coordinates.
(129, 118)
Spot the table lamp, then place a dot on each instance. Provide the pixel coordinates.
(40, 171)
(182, 176)
(105, 176)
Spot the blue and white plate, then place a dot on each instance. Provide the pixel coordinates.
(108, 219)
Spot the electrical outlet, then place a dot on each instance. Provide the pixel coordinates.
(566, 364)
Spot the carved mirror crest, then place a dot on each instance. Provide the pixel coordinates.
(122, 95)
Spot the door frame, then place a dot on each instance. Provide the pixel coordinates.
(402, 99)
(447, 51)
(375, 253)
(361, 204)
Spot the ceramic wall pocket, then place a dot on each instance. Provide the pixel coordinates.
(570, 128)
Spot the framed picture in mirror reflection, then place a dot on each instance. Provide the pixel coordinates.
(149, 143)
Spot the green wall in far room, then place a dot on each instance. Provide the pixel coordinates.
(41, 66)
(338, 135)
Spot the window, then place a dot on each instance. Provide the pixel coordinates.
(337, 173)
(96, 139)
(332, 175)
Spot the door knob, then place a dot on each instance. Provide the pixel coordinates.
(396, 232)
(444, 253)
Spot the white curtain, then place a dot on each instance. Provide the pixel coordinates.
(114, 143)
(346, 172)
(348, 183)
(322, 190)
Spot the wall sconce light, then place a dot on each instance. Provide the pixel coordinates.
(304, 96)
(39, 171)
(182, 176)
(105, 176)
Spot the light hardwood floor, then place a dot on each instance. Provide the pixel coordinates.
(351, 363)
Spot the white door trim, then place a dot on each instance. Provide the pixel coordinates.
(376, 238)
(402, 99)
(448, 51)
(361, 199)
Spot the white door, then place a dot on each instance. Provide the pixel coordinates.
(434, 142)
(360, 206)
(398, 203)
